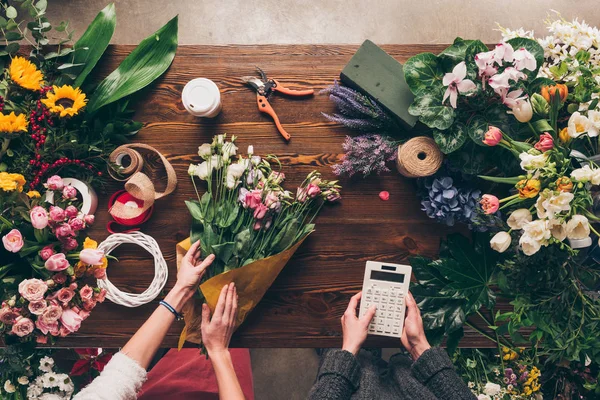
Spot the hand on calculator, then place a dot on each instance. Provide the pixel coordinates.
(413, 337)
(355, 329)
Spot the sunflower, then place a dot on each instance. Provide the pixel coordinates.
(10, 182)
(13, 123)
(65, 100)
(33, 194)
(25, 74)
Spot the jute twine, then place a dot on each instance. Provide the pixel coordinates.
(138, 184)
(419, 157)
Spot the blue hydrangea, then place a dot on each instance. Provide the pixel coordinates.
(446, 203)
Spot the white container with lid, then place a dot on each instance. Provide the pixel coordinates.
(201, 98)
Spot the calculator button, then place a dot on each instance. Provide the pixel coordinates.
(367, 304)
(397, 315)
(376, 299)
(392, 300)
(368, 297)
(397, 323)
(379, 328)
(389, 315)
(388, 327)
(377, 292)
(384, 292)
(384, 307)
(399, 308)
(384, 299)
(396, 330)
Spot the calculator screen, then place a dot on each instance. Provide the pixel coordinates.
(387, 276)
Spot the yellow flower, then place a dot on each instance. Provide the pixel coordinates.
(33, 194)
(10, 182)
(13, 123)
(65, 100)
(528, 188)
(25, 74)
(80, 269)
(90, 243)
(563, 135)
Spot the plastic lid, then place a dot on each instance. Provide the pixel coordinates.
(200, 96)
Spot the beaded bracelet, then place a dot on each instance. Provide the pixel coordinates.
(178, 316)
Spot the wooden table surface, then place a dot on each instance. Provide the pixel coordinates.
(304, 305)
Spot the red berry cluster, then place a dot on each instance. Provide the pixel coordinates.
(61, 162)
(37, 118)
(1, 103)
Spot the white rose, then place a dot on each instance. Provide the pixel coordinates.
(580, 124)
(584, 174)
(529, 245)
(205, 151)
(537, 230)
(578, 227)
(229, 150)
(23, 380)
(558, 229)
(9, 387)
(518, 218)
(557, 204)
(530, 162)
(491, 389)
(500, 242)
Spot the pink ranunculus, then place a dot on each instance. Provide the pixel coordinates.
(313, 190)
(260, 211)
(86, 292)
(51, 314)
(57, 262)
(489, 203)
(65, 295)
(57, 214)
(22, 327)
(41, 339)
(46, 328)
(99, 297)
(71, 211)
(91, 256)
(13, 241)
(55, 183)
(47, 252)
(70, 244)
(545, 143)
(71, 320)
(253, 199)
(88, 305)
(33, 289)
(77, 224)
(37, 307)
(69, 192)
(493, 136)
(89, 219)
(100, 273)
(63, 231)
(59, 278)
(8, 315)
(39, 217)
(84, 314)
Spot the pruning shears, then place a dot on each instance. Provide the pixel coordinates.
(264, 87)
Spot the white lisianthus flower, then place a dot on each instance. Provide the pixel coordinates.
(250, 150)
(558, 229)
(23, 380)
(578, 227)
(531, 162)
(205, 151)
(52, 396)
(584, 174)
(229, 150)
(215, 163)
(234, 172)
(537, 230)
(580, 124)
(556, 204)
(9, 387)
(46, 364)
(491, 389)
(500, 242)
(529, 245)
(519, 218)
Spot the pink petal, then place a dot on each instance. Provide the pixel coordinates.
(453, 97)
(446, 94)
(466, 86)
(460, 71)
(448, 78)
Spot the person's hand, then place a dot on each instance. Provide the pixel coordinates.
(192, 269)
(216, 332)
(354, 328)
(413, 335)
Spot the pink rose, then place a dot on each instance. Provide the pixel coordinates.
(70, 244)
(59, 278)
(41, 339)
(70, 320)
(91, 256)
(37, 307)
(33, 289)
(22, 327)
(86, 292)
(57, 214)
(8, 315)
(55, 183)
(58, 262)
(88, 305)
(100, 273)
(13, 241)
(313, 190)
(51, 314)
(76, 224)
(71, 211)
(545, 143)
(65, 295)
(46, 328)
(89, 219)
(489, 203)
(69, 192)
(99, 297)
(84, 314)
(63, 231)
(260, 211)
(39, 217)
(47, 252)
(493, 136)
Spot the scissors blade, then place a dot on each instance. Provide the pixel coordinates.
(254, 82)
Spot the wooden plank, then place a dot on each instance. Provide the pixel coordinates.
(303, 307)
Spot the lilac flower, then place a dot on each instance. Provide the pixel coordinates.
(366, 154)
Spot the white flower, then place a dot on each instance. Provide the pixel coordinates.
(537, 230)
(229, 150)
(250, 150)
(519, 218)
(556, 204)
(23, 380)
(539, 206)
(483, 397)
(471, 385)
(65, 383)
(530, 162)
(456, 83)
(33, 391)
(584, 174)
(215, 162)
(9, 387)
(46, 364)
(202, 171)
(558, 229)
(49, 380)
(524, 60)
(578, 227)
(205, 151)
(502, 81)
(52, 396)
(491, 389)
(529, 245)
(500, 242)
(522, 111)
(580, 124)
(234, 172)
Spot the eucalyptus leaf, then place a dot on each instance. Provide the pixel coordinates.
(144, 65)
(11, 12)
(13, 36)
(451, 139)
(423, 72)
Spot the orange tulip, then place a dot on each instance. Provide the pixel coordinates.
(548, 92)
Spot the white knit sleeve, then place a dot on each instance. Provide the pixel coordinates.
(121, 379)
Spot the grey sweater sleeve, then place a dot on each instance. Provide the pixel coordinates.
(339, 377)
(435, 370)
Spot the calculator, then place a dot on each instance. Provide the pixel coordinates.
(385, 285)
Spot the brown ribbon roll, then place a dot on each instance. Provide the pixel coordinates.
(419, 157)
(138, 184)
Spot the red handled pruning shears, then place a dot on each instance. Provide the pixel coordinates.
(264, 87)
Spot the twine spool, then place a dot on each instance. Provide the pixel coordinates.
(419, 157)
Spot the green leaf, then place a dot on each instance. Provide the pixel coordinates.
(534, 48)
(477, 128)
(453, 340)
(41, 5)
(13, 36)
(542, 125)
(242, 243)
(11, 12)
(91, 45)
(474, 48)
(285, 237)
(451, 139)
(223, 251)
(12, 48)
(145, 64)
(559, 70)
(430, 110)
(536, 85)
(195, 209)
(455, 53)
(422, 72)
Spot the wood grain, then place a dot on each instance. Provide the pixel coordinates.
(303, 307)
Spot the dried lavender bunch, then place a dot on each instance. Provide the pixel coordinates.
(366, 154)
(358, 111)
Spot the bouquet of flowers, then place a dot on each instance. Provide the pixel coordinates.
(43, 267)
(249, 221)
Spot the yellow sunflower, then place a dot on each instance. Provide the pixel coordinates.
(33, 194)
(10, 182)
(25, 74)
(65, 100)
(13, 123)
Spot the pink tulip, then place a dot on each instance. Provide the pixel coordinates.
(493, 136)
(13, 241)
(39, 217)
(545, 143)
(91, 256)
(57, 262)
(57, 214)
(55, 183)
(489, 203)
(47, 252)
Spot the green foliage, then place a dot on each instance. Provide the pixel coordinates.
(423, 72)
(430, 110)
(534, 48)
(451, 139)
